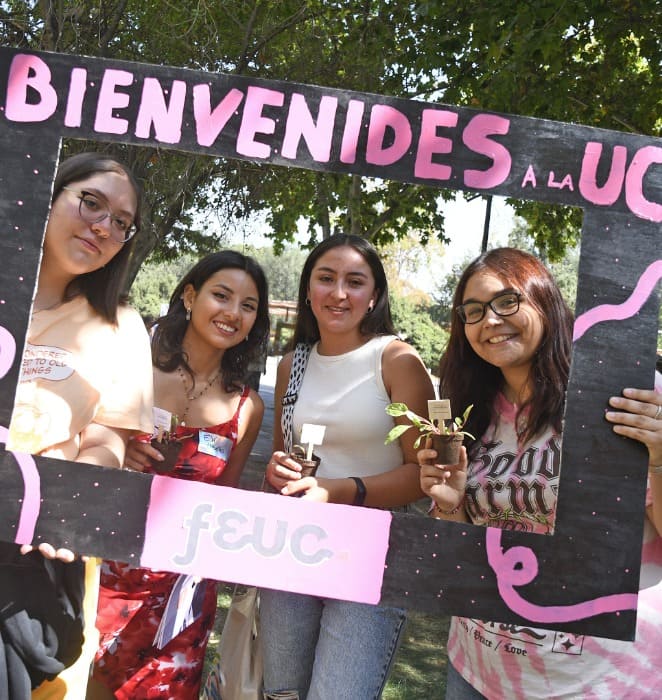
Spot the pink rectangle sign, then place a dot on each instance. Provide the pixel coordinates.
(266, 540)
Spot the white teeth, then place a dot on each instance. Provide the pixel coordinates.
(498, 339)
(223, 327)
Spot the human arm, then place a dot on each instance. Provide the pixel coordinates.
(634, 418)
(102, 445)
(280, 469)
(99, 445)
(250, 420)
(444, 484)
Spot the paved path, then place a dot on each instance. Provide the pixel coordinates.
(254, 469)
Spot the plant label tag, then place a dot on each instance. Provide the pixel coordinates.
(439, 410)
(162, 420)
(312, 434)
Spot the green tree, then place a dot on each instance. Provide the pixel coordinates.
(155, 283)
(592, 62)
(282, 271)
(414, 324)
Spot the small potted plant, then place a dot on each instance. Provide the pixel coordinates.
(169, 444)
(446, 438)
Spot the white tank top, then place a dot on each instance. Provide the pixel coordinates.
(346, 394)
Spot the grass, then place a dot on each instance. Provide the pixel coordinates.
(419, 672)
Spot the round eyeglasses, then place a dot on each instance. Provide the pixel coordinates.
(503, 304)
(93, 210)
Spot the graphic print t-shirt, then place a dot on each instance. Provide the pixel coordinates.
(515, 487)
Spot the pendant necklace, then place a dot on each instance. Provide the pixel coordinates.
(192, 397)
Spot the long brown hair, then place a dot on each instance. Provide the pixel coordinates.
(167, 351)
(378, 322)
(468, 379)
(103, 288)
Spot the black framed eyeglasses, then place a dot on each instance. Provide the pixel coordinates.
(93, 210)
(503, 304)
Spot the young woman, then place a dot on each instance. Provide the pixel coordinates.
(216, 324)
(509, 355)
(84, 410)
(321, 648)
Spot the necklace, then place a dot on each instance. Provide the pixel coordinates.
(192, 397)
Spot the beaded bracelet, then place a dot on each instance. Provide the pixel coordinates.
(434, 507)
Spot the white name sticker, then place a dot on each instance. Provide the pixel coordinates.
(214, 445)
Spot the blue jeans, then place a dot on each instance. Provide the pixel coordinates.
(457, 688)
(325, 649)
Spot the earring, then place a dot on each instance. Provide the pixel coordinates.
(371, 306)
(188, 314)
(307, 301)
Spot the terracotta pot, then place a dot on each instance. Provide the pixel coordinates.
(170, 452)
(447, 448)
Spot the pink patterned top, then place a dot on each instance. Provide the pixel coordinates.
(525, 663)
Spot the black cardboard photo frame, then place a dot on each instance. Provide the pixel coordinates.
(582, 579)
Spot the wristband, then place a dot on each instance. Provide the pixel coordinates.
(361, 492)
(655, 470)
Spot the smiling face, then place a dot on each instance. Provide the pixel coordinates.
(341, 291)
(223, 310)
(507, 342)
(72, 246)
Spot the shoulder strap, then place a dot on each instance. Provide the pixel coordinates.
(299, 362)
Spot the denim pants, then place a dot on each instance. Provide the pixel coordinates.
(325, 649)
(457, 688)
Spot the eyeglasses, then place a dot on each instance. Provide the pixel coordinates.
(503, 304)
(92, 210)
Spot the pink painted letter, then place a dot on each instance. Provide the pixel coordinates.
(430, 143)
(476, 137)
(167, 118)
(209, 123)
(300, 124)
(588, 177)
(110, 100)
(29, 72)
(382, 118)
(253, 122)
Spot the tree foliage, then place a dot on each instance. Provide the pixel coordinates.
(591, 62)
(414, 324)
(282, 271)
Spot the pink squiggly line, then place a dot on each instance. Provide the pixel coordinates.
(518, 566)
(617, 312)
(27, 520)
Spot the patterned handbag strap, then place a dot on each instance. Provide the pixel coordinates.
(299, 362)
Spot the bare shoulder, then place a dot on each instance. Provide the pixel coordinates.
(401, 355)
(404, 373)
(285, 365)
(254, 400)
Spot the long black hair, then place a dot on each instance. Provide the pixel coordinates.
(167, 351)
(465, 378)
(377, 322)
(103, 287)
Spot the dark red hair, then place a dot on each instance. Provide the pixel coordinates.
(468, 379)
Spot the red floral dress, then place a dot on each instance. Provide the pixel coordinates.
(132, 602)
